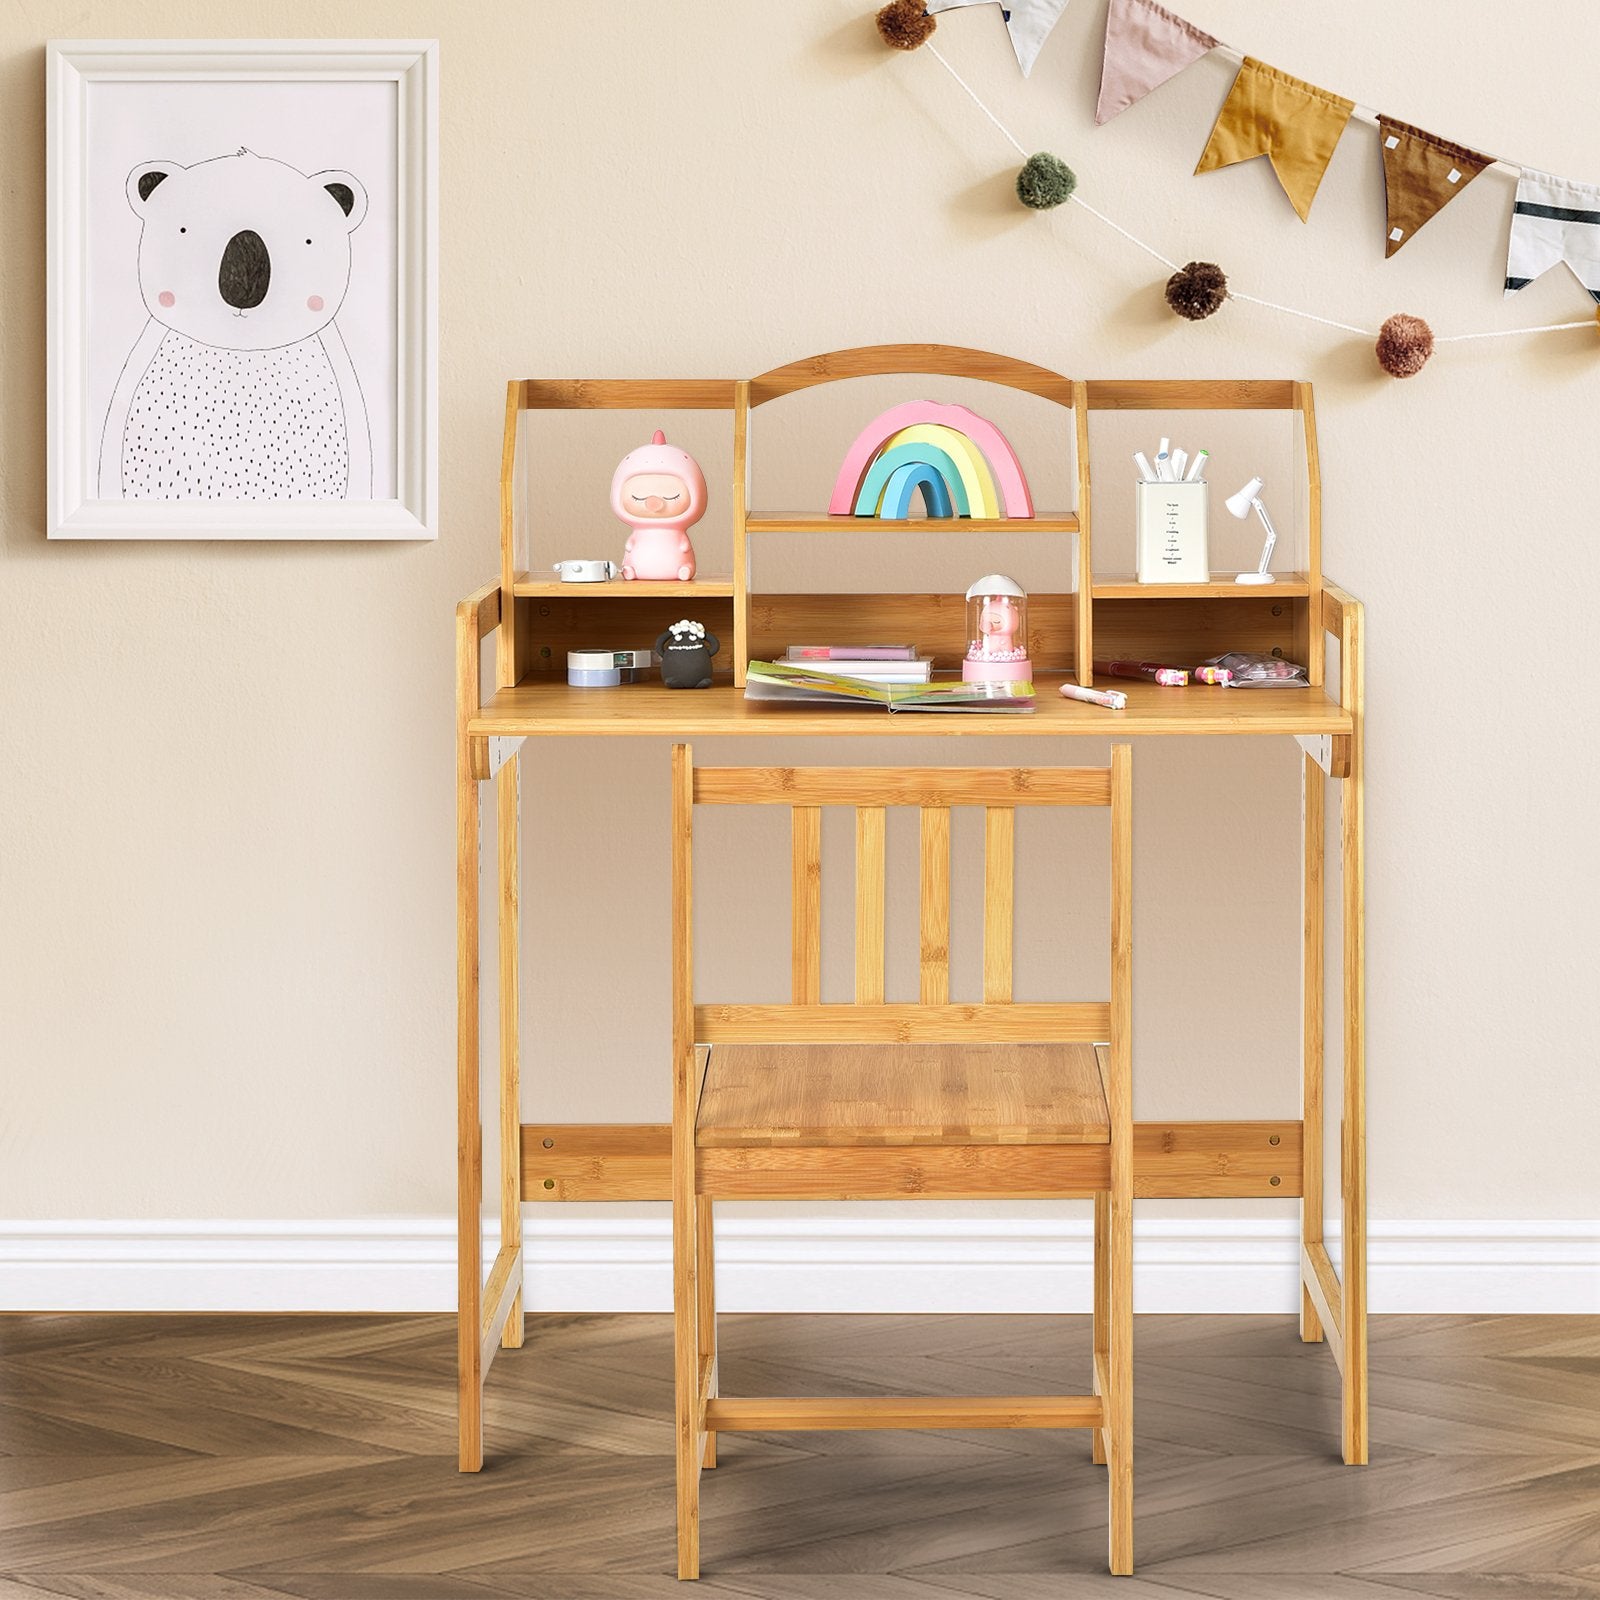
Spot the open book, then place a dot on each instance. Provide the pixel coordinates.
(783, 682)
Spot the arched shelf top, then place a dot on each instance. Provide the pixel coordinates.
(933, 360)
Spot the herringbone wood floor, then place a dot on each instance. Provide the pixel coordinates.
(174, 1458)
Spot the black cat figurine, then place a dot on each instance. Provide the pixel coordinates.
(686, 650)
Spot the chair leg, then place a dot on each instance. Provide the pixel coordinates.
(686, 1383)
(706, 1281)
(1119, 1371)
(1102, 1322)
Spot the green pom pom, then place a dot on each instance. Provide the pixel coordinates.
(1045, 181)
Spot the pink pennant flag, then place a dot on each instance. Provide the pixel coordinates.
(1145, 45)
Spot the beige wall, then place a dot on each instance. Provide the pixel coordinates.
(226, 981)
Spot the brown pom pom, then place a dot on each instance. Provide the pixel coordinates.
(1198, 290)
(1404, 345)
(903, 24)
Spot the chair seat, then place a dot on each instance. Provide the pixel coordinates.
(762, 1095)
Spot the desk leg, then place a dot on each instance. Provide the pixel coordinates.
(469, 1125)
(1314, 817)
(507, 790)
(1353, 1143)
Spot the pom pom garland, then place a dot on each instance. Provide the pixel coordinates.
(1197, 290)
(1404, 345)
(903, 24)
(1045, 181)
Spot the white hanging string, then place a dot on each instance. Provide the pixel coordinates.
(1233, 294)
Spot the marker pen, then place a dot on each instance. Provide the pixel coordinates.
(1153, 671)
(1164, 464)
(1147, 473)
(1180, 459)
(1197, 467)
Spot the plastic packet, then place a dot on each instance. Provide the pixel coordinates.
(1251, 671)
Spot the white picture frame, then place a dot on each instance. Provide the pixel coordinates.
(123, 116)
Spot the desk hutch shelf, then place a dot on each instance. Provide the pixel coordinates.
(534, 623)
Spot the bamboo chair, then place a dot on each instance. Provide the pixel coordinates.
(931, 1100)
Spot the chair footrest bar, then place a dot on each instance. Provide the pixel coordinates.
(783, 1414)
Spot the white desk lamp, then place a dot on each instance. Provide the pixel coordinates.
(1239, 504)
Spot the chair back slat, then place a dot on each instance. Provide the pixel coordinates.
(869, 904)
(806, 895)
(902, 786)
(999, 892)
(934, 900)
(1023, 1022)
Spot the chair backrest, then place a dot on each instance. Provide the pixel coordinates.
(868, 1018)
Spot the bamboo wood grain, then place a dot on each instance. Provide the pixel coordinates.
(508, 787)
(1192, 394)
(969, 528)
(500, 1294)
(902, 786)
(1100, 1331)
(506, 666)
(741, 531)
(1124, 586)
(931, 360)
(1312, 959)
(905, 1172)
(999, 885)
(867, 1412)
(1314, 649)
(469, 1124)
(1030, 1022)
(1321, 1282)
(933, 918)
(1353, 1142)
(546, 707)
(869, 904)
(1083, 643)
(1171, 1161)
(1119, 1095)
(706, 1314)
(689, 1438)
(806, 906)
(901, 1094)
(627, 394)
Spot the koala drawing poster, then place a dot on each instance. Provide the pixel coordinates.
(240, 386)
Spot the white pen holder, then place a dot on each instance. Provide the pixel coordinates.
(1170, 521)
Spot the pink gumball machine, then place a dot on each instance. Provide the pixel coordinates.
(660, 492)
(997, 632)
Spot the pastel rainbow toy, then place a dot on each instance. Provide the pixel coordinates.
(977, 470)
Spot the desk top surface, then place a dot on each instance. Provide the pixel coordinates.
(550, 706)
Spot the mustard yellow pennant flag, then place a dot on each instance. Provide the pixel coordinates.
(1295, 125)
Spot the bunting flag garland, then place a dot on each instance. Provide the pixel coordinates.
(1422, 174)
(1027, 21)
(1295, 125)
(1299, 126)
(1554, 220)
(1145, 46)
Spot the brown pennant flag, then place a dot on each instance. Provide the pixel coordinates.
(1294, 124)
(1422, 174)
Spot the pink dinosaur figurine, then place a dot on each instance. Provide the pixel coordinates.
(660, 492)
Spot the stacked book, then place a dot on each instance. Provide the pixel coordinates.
(893, 676)
(876, 663)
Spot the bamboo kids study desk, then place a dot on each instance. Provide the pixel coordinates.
(534, 623)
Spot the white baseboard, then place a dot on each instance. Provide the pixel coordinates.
(791, 1262)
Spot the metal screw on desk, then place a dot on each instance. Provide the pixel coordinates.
(1274, 1181)
(1271, 1139)
(550, 1144)
(550, 1183)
